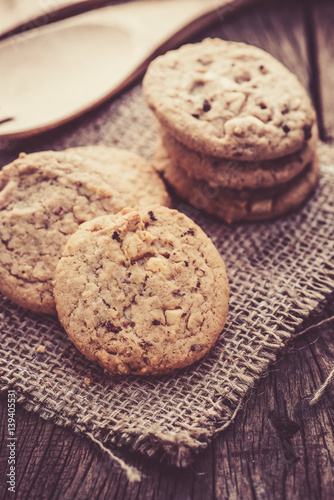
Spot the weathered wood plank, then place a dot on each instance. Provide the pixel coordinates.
(283, 447)
(322, 17)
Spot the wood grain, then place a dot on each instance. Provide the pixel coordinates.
(322, 16)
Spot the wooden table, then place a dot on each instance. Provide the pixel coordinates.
(279, 446)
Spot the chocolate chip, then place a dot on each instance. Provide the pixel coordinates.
(156, 322)
(262, 106)
(144, 344)
(110, 327)
(196, 347)
(191, 232)
(261, 68)
(115, 236)
(286, 129)
(206, 106)
(126, 323)
(195, 115)
(166, 255)
(58, 211)
(151, 214)
(198, 284)
(307, 132)
(186, 263)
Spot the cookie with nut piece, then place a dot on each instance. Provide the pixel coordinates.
(237, 174)
(229, 100)
(142, 292)
(234, 205)
(43, 199)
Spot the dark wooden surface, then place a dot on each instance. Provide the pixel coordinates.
(279, 446)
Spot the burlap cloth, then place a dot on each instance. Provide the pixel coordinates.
(279, 271)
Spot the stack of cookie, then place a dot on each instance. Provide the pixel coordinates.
(238, 131)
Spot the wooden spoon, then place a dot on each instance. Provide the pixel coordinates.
(55, 73)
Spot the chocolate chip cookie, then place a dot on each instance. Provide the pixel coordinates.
(142, 292)
(229, 100)
(237, 174)
(43, 199)
(237, 205)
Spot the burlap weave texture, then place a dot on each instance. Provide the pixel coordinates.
(279, 271)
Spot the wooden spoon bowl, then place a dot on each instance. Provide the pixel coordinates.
(55, 73)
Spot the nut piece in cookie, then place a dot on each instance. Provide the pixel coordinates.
(142, 292)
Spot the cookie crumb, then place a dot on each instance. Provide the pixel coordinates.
(87, 381)
(41, 349)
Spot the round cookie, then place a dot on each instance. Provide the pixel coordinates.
(237, 205)
(43, 199)
(143, 292)
(131, 176)
(239, 174)
(230, 100)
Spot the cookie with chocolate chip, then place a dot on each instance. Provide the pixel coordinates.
(43, 199)
(142, 292)
(244, 204)
(235, 174)
(229, 100)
